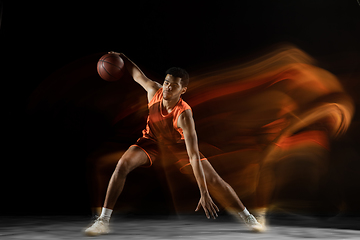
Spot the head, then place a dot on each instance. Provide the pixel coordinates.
(179, 73)
(175, 83)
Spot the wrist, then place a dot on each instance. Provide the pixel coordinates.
(204, 192)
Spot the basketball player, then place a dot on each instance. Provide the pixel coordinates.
(170, 127)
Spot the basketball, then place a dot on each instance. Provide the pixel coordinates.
(110, 67)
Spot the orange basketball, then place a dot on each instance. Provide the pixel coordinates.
(110, 67)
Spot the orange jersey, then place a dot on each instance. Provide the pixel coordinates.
(163, 128)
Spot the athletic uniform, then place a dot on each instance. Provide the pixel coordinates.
(162, 137)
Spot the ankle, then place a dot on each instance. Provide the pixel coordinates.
(243, 214)
(106, 214)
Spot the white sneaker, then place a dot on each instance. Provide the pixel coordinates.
(99, 227)
(253, 224)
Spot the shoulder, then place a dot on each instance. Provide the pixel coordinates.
(185, 106)
(185, 119)
(153, 90)
(187, 113)
(154, 97)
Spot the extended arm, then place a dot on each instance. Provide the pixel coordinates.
(150, 86)
(186, 123)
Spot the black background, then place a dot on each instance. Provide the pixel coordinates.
(39, 38)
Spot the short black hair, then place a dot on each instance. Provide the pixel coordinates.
(180, 73)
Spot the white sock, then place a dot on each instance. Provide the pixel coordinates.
(106, 214)
(244, 213)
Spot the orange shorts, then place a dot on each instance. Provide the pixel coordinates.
(175, 153)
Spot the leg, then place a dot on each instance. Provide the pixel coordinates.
(221, 190)
(132, 158)
(100, 166)
(228, 198)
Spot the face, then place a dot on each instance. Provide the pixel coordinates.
(172, 87)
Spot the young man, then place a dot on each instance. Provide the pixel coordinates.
(170, 127)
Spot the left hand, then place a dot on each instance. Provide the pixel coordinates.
(208, 205)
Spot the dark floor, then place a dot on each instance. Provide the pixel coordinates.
(176, 227)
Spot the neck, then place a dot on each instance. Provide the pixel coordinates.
(168, 105)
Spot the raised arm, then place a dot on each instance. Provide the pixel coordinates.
(186, 123)
(149, 85)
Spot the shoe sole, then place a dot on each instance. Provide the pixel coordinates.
(93, 234)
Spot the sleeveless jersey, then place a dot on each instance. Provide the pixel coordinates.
(163, 128)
